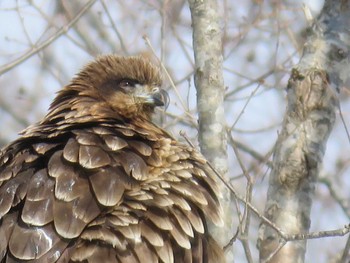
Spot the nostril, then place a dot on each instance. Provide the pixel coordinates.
(154, 90)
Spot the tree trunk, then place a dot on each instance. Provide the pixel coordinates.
(209, 83)
(312, 103)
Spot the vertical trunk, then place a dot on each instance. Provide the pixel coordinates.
(210, 96)
(309, 119)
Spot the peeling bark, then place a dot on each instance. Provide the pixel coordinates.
(312, 103)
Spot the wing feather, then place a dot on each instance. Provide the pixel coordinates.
(38, 206)
(88, 185)
(108, 186)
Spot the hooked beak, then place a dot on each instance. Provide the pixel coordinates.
(160, 98)
(155, 97)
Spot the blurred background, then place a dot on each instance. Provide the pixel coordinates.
(43, 43)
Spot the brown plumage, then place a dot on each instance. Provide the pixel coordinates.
(97, 181)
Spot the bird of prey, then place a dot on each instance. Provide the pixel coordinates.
(96, 181)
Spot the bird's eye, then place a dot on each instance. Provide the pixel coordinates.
(127, 85)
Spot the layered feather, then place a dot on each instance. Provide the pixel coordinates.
(88, 184)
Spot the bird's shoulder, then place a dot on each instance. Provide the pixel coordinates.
(60, 185)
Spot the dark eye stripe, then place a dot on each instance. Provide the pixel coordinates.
(127, 83)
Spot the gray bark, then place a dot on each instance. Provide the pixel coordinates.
(312, 103)
(209, 83)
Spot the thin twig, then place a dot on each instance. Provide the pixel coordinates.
(168, 76)
(245, 105)
(319, 234)
(344, 123)
(345, 253)
(111, 20)
(251, 152)
(286, 237)
(246, 214)
(280, 246)
(240, 198)
(232, 240)
(335, 194)
(34, 50)
(247, 252)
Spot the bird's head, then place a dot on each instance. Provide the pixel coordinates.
(124, 87)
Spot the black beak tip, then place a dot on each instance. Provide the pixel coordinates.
(161, 98)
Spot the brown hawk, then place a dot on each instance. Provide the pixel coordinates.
(97, 181)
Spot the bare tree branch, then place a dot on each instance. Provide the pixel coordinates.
(309, 119)
(36, 49)
(259, 45)
(345, 254)
(209, 83)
